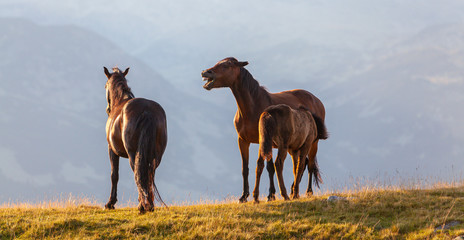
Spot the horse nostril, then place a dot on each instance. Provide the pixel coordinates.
(206, 72)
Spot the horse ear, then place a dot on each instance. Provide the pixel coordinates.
(107, 73)
(126, 72)
(242, 64)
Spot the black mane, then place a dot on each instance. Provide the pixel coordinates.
(252, 85)
(117, 89)
(120, 87)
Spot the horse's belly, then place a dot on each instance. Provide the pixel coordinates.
(118, 147)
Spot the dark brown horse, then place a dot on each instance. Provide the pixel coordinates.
(252, 99)
(136, 129)
(289, 130)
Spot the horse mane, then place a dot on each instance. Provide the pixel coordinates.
(120, 89)
(252, 85)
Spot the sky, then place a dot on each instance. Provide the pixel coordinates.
(374, 64)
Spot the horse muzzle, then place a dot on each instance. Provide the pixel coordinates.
(209, 77)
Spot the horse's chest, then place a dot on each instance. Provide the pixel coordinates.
(247, 129)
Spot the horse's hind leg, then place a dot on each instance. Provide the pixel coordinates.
(114, 160)
(151, 188)
(279, 165)
(309, 176)
(271, 170)
(312, 168)
(309, 190)
(300, 158)
(294, 155)
(299, 174)
(259, 171)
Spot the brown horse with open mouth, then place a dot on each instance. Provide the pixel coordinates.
(252, 99)
(136, 129)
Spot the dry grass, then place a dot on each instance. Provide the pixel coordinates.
(374, 213)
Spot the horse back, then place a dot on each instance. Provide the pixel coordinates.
(283, 118)
(140, 105)
(293, 127)
(300, 98)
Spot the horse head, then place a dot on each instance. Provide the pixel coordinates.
(224, 74)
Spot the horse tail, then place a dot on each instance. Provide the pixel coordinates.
(158, 196)
(267, 128)
(321, 129)
(145, 162)
(314, 170)
(141, 168)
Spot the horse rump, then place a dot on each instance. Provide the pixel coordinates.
(267, 128)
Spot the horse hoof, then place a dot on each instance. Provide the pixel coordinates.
(295, 196)
(309, 194)
(243, 198)
(109, 206)
(271, 197)
(151, 208)
(141, 208)
(256, 201)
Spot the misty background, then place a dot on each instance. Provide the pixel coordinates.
(390, 73)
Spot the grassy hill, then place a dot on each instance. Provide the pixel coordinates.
(365, 214)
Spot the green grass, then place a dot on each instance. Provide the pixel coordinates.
(367, 214)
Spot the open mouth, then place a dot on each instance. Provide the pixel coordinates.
(209, 83)
(209, 78)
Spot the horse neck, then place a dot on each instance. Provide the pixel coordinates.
(249, 102)
(119, 103)
(119, 96)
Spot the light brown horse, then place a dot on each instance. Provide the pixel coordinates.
(136, 129)
(252, 99)
(289, 130)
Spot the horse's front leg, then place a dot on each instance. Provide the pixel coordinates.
(114, 160)
(244, 146)
(271, 170)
